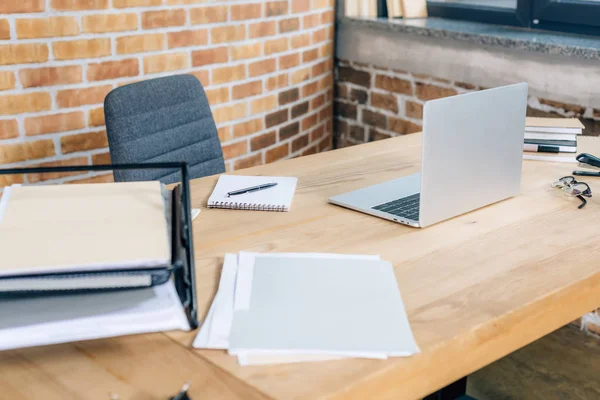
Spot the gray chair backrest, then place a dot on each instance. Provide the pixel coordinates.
(162, 120)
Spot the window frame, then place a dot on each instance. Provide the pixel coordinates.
(572, 16)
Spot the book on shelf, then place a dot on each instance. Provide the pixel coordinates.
(550, 136)
(553, 125)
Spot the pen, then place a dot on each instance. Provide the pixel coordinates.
(182, 395)
(586, 173)
(252, 189)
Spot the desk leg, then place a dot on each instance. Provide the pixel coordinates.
(454, 391)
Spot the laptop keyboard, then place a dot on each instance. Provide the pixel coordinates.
(406, 207)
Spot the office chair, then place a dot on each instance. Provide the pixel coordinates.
(162, 120)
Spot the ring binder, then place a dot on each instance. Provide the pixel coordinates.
(182, 244)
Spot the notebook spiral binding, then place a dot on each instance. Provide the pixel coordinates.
(245, 206)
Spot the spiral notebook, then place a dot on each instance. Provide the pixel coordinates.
(277, 198)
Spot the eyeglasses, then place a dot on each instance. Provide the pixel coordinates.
(572, 188)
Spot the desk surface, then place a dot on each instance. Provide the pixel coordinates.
(476, 288)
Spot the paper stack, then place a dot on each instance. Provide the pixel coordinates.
(551, 139)
(289, 307)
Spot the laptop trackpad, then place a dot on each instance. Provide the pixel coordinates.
(382, 193)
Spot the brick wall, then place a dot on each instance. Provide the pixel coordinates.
(266, 67)
(373, 103)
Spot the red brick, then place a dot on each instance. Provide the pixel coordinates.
(83, 141)
(224, 133)
(300, 6)
(74, 5)
(402, 127)
(202, 76)
(360, 78)
(230, 112)
(246, 90)
(246, 51)
(235, 149)
(217, 96)
(321, 35)
(263, 104)
(102, 23)
(247, 162)
(262, 67)
(96, 117)
(140, 43)
(301, 40)
(54, 123)
(136, 3)
(310, 55)
(209, 15)
(309, 122)
(299, 143)
(320, 68)
(34, 178)
(248, 127)
(262, 141)
(163, 18)
(215, 55)
(289, 96)
(309, 151)
(50, 76)
(286, 132)
(101, 159)
(414, 110)
(21, 6)
(246, 11)
(82, 48)
(8, 128)
(15, 152)
(310, 89)
(277, 153)
(312, 20)
(26, 102)
(4, 29)
(166, 62)
(317, 102)
(79, 97)
(23, 53)
(277, 82)
(426, 91)
(276, 118)
(197, 37)
(275, 8)
(262, 29)
(228, 74)
(289, 25)
(289, 61)
(276, 45)
(384, 101)
(28, 28)
(105, 178)
(7, 80)
(300, 109)
(113, 69)
(300, 75)
(225, 34)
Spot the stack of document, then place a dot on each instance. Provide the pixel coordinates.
(551, 139)
(289, 307)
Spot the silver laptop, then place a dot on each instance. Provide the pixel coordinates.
(472, 157)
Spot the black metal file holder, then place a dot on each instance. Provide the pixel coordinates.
(182, 243)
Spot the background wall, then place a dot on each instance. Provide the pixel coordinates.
(266, 67)
(373, 103)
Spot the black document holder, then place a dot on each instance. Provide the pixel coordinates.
(182, 243)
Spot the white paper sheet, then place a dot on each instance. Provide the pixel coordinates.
(225, 299)
(73, 317)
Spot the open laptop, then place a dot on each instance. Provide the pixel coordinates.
(472, 156)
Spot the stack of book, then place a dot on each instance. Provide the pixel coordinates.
(551, 139)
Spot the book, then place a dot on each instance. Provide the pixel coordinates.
(565, 143)
(552, 157)
(550, 136)
(543, 148)
(83, 228)
(553, 125)
(277, 198)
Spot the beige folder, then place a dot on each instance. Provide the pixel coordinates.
(82, 227)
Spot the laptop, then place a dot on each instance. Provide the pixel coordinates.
(472, 155)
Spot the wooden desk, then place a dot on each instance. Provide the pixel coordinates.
(476, 288)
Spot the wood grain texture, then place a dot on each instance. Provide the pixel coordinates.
(476, 287)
